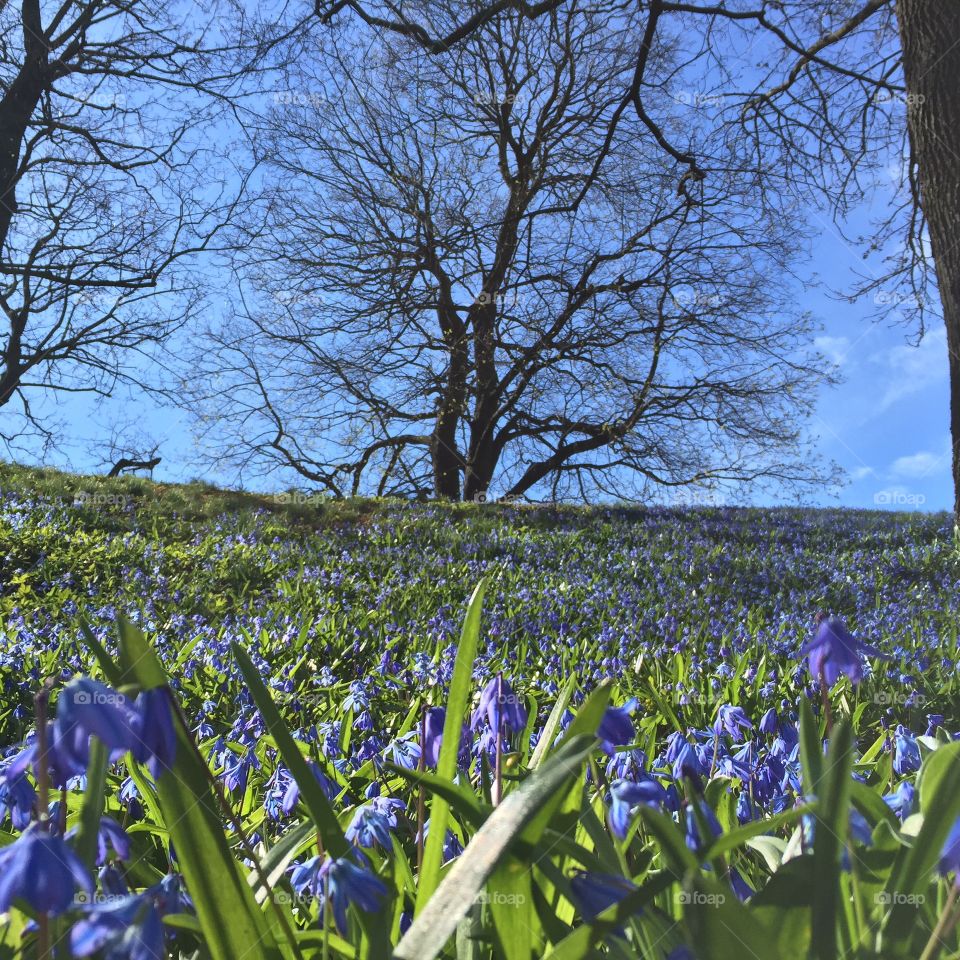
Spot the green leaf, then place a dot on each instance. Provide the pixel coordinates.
(466, 803)
(670, 840)
(549, 732)
(510, 895)
(735, 838)
(588, 717)
(457, 701)
(455, 896)
(91, 811)
(811, 749)
(720, 926)
(233, 926)
(275, 862)
(315, 800)
(831, 825)
(939, 780)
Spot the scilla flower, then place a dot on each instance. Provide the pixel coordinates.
(835, 651)
(42, 870)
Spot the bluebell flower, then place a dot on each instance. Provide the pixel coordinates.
(616, 728)
(88, 708)
(626, 796)
(901, 801)
(39, 868)
(682, 952)
(371, 827)
(768, 722)
(950, 854)
(156, 738)
(934, 720)
(834, 651)
(500, 705)
(404, 752)
(596, 892)
(906, 752)
(343, 882)
(17, 797)
(433, 734)
(693, 834)
(732, 720)
(688, 763)
(330, 789)
(129, 928)
(111, 834)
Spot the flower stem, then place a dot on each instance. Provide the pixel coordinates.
(421, 793)
(40, 703)
(825, 698)
(946, 922)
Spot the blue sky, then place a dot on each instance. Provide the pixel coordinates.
(886, 424)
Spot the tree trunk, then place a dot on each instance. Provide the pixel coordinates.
(930, 36)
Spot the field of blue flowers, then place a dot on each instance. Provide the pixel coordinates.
(475, 733)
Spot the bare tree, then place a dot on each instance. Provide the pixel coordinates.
(480, 273)
(110, 183)
(826, 95)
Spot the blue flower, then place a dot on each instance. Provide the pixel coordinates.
(17, 798)
(433, 734)
(834, 651)
(39, 868)
(901, 800)
(950, 854)
(596, 892)
(616, 727)
(500, 705)
(343, 882)
(370, 827)
(111, 834)
(732, 720)
(626, 796)
(906, 752)
(156, 739)
(88, 708)
(934, 720)
(694, 836)
(768, 722)
(688, 763)
(330, 789)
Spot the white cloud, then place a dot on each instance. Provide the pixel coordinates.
(835, 349)
(921, 464)
(911, 369)
(861, 473)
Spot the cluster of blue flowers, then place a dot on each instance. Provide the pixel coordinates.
(355, 634)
